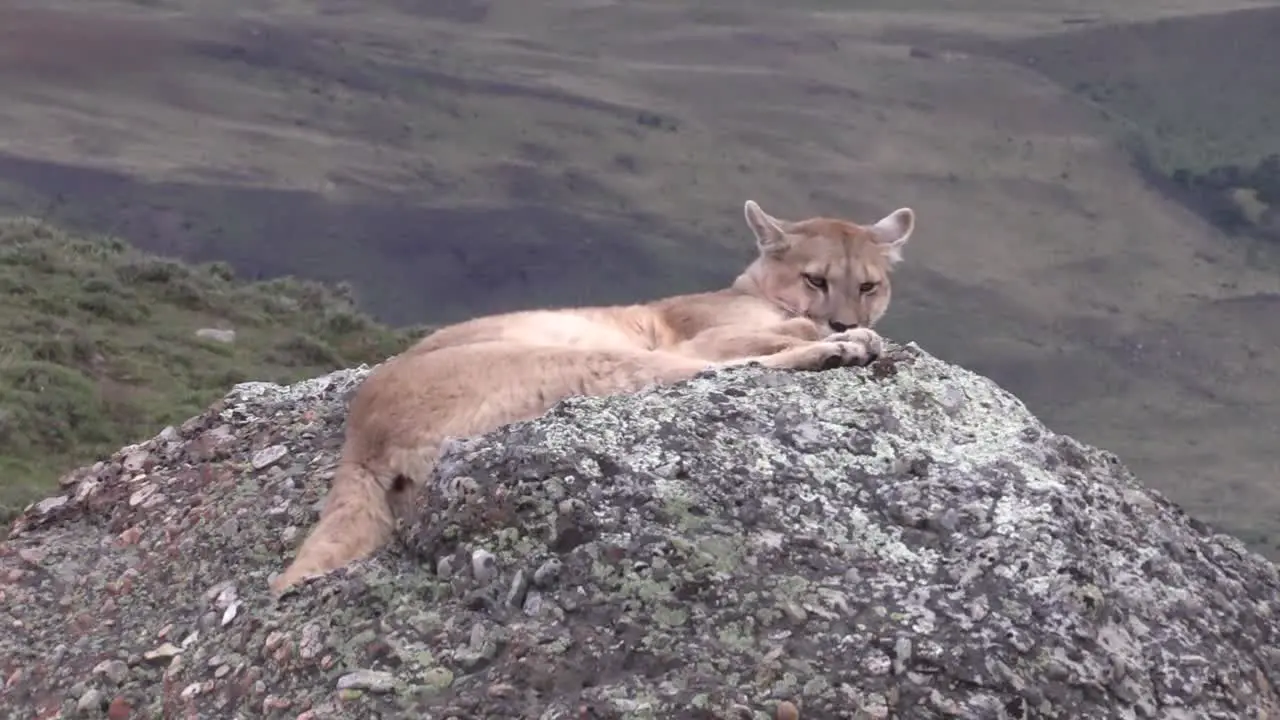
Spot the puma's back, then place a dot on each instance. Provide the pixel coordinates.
(588, 327)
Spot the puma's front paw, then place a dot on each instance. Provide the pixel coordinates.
(856, 347)
(852, 347)
(867, 337)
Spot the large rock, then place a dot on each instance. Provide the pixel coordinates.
(900, 541)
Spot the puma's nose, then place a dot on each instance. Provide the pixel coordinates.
(841, 327)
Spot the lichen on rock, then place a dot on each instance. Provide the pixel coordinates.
(903, 540)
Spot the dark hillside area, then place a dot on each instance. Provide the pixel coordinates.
(412, 263)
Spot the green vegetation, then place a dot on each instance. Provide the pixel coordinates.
(1194, 92)
(99, 346)
(1193, 99)
(1235, 198)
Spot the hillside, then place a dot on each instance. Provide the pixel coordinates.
(1201, 116)
(471, 156)
(102, 345)
(1194, 101)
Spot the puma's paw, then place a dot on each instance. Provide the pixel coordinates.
(857, 347)
(291, 578)
(867, 336)
(283, 583)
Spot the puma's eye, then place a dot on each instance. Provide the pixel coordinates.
(866, 287)
(815, 282)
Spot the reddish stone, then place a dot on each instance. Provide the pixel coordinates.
(130, 536)
(274, 703)
(282, 654)
(119, 709)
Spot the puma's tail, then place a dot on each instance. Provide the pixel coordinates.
(356, 521)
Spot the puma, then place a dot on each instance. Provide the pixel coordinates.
(808, 301)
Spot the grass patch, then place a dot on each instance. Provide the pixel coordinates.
(100, 348)
(1196, 92)
(1192, 99)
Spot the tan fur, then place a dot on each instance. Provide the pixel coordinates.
(807, 302)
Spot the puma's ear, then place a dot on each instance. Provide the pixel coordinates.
(893, 231)
(770, 237)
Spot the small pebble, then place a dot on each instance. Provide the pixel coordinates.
(115, 670)
(547, 573)
(135, 461)
(268, 456)
(90, 701)
(372, 680)
(484, 566)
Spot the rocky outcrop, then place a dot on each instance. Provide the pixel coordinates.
(904, 540)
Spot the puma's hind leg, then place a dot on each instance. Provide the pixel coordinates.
(405, 409)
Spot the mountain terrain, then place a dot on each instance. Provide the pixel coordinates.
(461, 157)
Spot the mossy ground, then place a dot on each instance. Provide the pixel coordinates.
(98, 346)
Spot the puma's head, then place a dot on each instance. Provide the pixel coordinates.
(832, 271)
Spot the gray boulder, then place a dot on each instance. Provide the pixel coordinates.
(900, 541)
